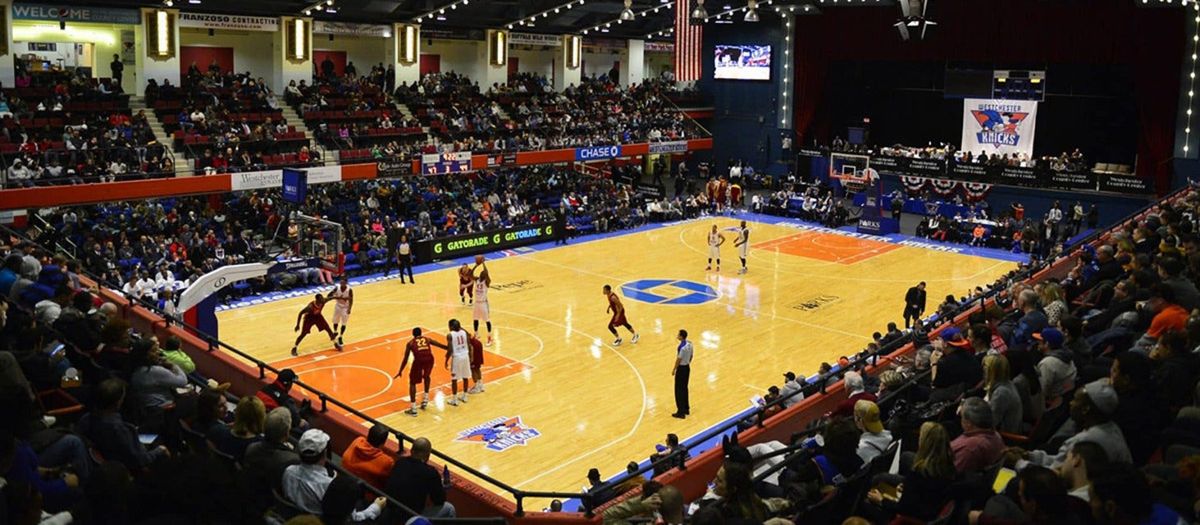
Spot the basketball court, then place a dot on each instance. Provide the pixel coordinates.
(568, 399)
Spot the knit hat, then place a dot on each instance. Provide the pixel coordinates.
(1102, 395)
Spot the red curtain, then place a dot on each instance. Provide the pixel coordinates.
(431, 64)
(1018, 34)
(337, 57)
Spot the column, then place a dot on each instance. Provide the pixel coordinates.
(492, 59)
(567, 71)
(633, 65)
(7, 69)
(406, 52)
(292, 51)
(157, 43)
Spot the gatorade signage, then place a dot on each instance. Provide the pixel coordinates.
(485, 242)
(597, 153)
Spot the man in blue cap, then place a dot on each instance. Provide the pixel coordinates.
(1057, 368)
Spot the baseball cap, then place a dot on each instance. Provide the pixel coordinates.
(1050, 336)
(954, 337)
(1102, 395)
(870, 417)
(313, 442)
(790, 376)
(287, 375)
(418, 520)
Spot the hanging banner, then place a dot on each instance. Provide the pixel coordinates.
(674, 146)
(231, 22)
(534, 39)
(451, 33)
(107, 15)
(323, 27)
(659, 47)
(999, 126)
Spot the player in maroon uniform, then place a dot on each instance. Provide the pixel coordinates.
(466, 278)
(312, 317)
(476, 364)
(420, 347)
(618, 316)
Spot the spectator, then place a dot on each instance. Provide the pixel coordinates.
(874, 439)
(304, 484)
(1091, 411)
(1083, 458)
(1001, 394)
(248, 420)
(1028, 383)
(663, 506)
(111, 435)
(154, 378)
(1120, 494)
(416, 485)
(792, 391)
(923, 490)
(1056, 369)
(979, 446)
(267, 459)
(1041, 497)
(1033, 320)
(857, 391)
(174, 354)
(1170, 270)
(1167, 316)
(1140, 415)
(954, 368)
(366, 458)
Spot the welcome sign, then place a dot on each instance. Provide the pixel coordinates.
(999, 126)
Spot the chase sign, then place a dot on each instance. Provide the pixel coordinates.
(597, 153)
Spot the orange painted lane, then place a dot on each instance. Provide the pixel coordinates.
(827, 247)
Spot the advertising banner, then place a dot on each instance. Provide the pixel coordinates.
(106, 15)
(393, 168)
(323, 27)
(674, 146)
(534, 39)
(999, 126)
(597, 153)
(257, 180)
(230, 22)
(1125, 184)
(486, 242)
(295, 185)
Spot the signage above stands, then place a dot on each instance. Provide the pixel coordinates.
(534, 39)
(674, 146)
(105, 15)
(451, 33)
(342, 28)
(228, 22)
(597, 153)
(659, 47)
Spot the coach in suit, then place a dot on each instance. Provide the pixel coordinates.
(914, 304)
(682, 372)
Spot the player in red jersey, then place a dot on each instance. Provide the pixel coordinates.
(476, 364)
(420, 347)
(618, 316)
(466, 278)
(312, 317)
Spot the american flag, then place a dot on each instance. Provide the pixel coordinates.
(687, 43)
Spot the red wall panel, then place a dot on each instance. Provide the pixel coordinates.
(203, 56)
(431, 64)
(337, 57)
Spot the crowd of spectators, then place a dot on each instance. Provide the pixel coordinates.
(1072, 399)
(140, 437)
(1073, 161)
(76, 130)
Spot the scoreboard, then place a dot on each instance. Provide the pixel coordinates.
(449, 162)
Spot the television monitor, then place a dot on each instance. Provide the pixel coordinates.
(742, 62)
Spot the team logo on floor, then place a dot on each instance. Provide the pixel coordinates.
(499, 434)
(669, 291)
(998, 128)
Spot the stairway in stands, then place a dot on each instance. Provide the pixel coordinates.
(294, 119)
(183, 165)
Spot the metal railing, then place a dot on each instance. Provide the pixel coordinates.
(69, 159)
(756, 416)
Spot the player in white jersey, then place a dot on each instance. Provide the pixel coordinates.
(742, 243)
(482, 313)
(343, 300)
(715, 240)
(458, 361)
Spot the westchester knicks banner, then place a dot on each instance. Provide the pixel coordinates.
(999, 126)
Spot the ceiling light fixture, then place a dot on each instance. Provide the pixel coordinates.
(751, 13)
(699, 14)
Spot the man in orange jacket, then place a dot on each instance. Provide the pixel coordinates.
(366, 458)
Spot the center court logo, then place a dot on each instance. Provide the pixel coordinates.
(499, 434)
(669, 291)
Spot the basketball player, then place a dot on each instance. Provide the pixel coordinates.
(715, 240)
(343, 301)
(618, 317)
(476, 365)
(465, 278)
(311, 315)
(420, 348)
(742, 243)
(460, 351)
(482, 312)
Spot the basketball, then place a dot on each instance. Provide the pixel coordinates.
(478, 259)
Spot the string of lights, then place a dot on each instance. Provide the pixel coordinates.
(439, 14)
(603, 28)
(528, 21)
(1187, 129)
(326, 5)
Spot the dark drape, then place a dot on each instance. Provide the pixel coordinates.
(1013, 34)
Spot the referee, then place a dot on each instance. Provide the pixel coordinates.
(404, 259)
(682, 372)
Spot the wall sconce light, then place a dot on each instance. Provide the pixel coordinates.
(573, 47)
(298, 41)
(408, 43)
(497, 47)
(160, 34)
